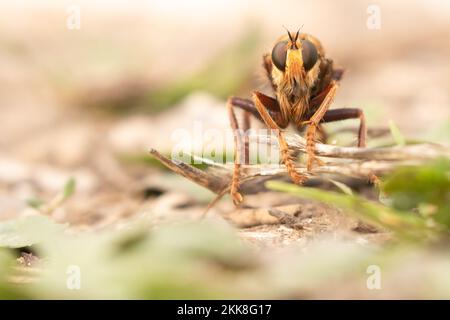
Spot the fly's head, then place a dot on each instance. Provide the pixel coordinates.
(296, 59)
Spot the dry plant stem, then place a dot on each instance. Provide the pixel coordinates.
(207, 180)
(396, 153)
(349, 161)
(49, 208)
(283, 217)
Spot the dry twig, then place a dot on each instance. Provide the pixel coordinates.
(344, 161)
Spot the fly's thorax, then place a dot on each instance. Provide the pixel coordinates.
(293, 107)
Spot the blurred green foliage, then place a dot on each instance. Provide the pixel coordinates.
(199, 260)
(47, 207)
(69, 188)
(27, 231)
(196, 260)
(424, 189)
(396, 134)
(7, 263)
(418, 199)
(222, 77)
(207, 259)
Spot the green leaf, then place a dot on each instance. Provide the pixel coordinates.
(35, 203)
(342, 186)
(7, 290)
(69, 188)
(403, 223)
(409, 188)
(396, 134)
(27, 231)
(186, 260)
(223, 76)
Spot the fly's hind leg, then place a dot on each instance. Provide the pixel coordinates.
(267, 110)
(241, 154)
(352, 113)
(241, 140)
(349, 113)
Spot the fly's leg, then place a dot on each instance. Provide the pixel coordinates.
(277, 123)
(313, 124)
(241, 149)
(349, 113)
(352, 113)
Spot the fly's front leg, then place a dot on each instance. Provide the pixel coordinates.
(313, 124)
(261, 102)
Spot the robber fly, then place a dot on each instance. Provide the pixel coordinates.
(304, 84)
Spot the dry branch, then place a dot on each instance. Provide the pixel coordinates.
(344, 161)
(410, 152)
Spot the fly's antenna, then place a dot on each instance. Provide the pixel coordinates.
(298, 32)
(295, 38)
(289, 33)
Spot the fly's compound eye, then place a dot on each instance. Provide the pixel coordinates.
(279, 53)
(309, 53)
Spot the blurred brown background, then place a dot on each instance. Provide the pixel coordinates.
(90, 101)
